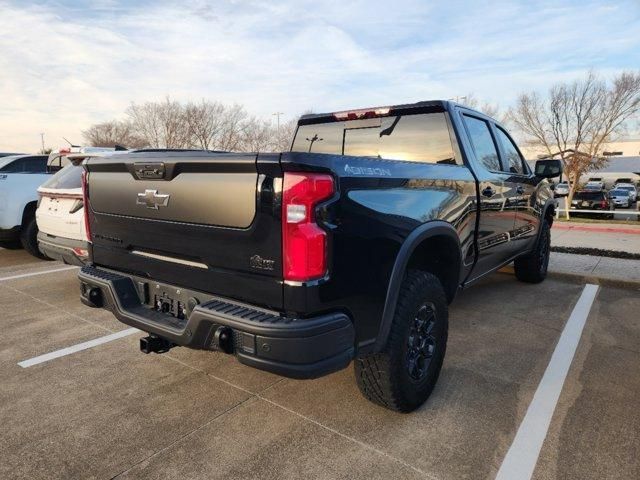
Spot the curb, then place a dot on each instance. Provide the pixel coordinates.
(583, 228)
(596, 252)
(583, 278)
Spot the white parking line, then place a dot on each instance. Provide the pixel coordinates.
(42, 272)
(77, 348)
(521, 459)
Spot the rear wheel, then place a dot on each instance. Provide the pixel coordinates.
(533, 267)
(29, 238)
(403, 375)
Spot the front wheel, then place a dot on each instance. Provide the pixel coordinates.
(403, 375)
(533, 267)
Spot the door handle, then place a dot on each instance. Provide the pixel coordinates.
(519, 189)
(488, 192)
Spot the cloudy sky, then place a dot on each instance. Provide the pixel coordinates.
(67, 64)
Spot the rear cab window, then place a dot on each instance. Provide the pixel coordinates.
(422, 137)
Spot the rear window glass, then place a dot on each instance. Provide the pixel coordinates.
(67, 178)
(413, 138)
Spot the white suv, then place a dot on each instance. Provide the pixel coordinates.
(20, 176)
(60, 213)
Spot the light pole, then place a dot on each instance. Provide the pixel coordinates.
(42, 141)
(457, 99)
(277, 115)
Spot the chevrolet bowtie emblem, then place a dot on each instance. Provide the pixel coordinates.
(152, 199)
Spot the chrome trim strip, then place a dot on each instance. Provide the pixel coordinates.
(170, 259)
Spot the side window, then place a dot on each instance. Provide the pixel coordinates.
(35, 165)
(17, 166)
(483, 144)
(514, 160)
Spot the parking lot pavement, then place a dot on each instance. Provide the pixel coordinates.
(18, 260)
(623, 238)
(110, 411)
(595, 432)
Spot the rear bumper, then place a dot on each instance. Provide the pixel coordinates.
(292, 347)
(67, 250)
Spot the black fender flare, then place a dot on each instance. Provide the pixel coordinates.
(550, 204)
(415, 238)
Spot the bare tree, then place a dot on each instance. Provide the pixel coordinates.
(576, 120)
(283, 137)
(258, 136)
(108, 134)
(161, 124)
(209, 125)
(233, 128)
(206, 121)
(489, 109)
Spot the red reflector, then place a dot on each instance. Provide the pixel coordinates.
(85, 202)
(304, 243)
(81, 252)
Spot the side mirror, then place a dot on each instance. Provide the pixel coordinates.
(548, 168)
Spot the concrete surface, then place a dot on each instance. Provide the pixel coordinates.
(591, 269)
(595, 428)
(112, 412)
(624, 238)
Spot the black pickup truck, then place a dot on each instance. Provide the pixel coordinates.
(347, 248)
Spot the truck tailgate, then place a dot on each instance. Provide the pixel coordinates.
(199, 220)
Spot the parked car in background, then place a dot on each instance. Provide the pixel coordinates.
(20, 177)
(60, 214)
(630, 189)
(591, 200)
(595, 186)
(8, 154)
(562, 189)
(620, 198)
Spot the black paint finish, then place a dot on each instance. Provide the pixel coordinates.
(385, 216)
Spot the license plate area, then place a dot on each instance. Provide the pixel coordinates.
(172, 301)
(164, 303)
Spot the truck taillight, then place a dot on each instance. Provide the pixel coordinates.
(85, 202)
(304, 243)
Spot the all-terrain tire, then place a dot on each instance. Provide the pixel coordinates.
(29, 238)
(391, 378)
(533, 267)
